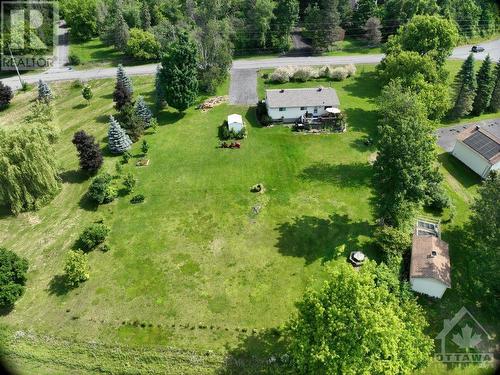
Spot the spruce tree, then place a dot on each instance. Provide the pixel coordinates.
(484, 87)
(130, 121)
(465, 83)
(6, 95)
(121, 96)
(89, 153)
(145, 16)
(178, 73)
(44, 92)
(121, 32)
(143, 111)
(118, 140)
(495, 96)
(121, 76)
(159, 89)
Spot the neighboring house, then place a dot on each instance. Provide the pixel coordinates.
(287, 105)
(478, 149)
(430, 260)
(235, 123)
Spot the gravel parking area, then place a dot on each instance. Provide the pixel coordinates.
(446, 136)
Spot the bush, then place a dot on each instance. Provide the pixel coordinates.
(224, 131)
(139, 198)
(101, 190)
(261, 113)
(282, 74)
(104, 248)
(437, 199)
(303, 74)
(324, 72)
(351, 69)
(74, 59)
(92, 236)
(126, 157)
(339, 73)
(142, 45)
(76, 268)
(40, 112)
(392, 242)
(129, 182)
(12, 277)
(6, 95)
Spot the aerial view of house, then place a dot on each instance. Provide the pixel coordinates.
(243, 187)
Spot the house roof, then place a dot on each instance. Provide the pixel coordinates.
(319, 96)
(234, 118)
(430, 259)
(483, 142)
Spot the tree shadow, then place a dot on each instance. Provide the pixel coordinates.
(315, 238)
(5, 310)
(58, 286)
(361, 120)
(5, 211)
(361, 144)
(102, 119)
(364, 85)
(259, 353)
(87, 204)
(251, 118)
(73, 177)
(107, 96)
(79, 106)
(169, 117)
(462, 173)
(344, 175)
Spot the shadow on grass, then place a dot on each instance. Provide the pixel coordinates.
(102, 119)
(262, 353)
(107, 96)
(87, 204)
(364, 85)
(79, 106)
(251, 118)
(4, 311)
(58, 286)
(359, 119)
(168, 117)
(463, 174)
(5, 211)
(73, 177)
(344, 175)
(315, 238)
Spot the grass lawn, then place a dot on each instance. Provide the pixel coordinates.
(202, 262)
(351, 46)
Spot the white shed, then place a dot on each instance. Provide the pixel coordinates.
(430, 270)
(478, 149)
(235, 123)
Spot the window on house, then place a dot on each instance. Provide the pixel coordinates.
(282, 109)
(303, 108)
(315, 109)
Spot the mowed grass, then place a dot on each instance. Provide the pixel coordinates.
(202, 248)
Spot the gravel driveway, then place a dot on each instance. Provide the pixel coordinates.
(446, 136)
(243, 88)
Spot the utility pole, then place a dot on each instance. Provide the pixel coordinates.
(15, 64)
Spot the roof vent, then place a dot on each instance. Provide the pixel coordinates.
(282, 90)
(434, 253)
(478, 127)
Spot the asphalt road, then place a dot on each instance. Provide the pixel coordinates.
(446, 136)
(243, 88)
(492, 48)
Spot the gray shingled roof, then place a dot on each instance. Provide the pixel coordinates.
(319, 96)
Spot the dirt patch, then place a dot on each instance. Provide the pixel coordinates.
(31, 218)
(372, 158)
(213, 102)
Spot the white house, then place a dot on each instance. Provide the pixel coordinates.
(478, 149)
(287, 105)
(430, 261)
(235, 123)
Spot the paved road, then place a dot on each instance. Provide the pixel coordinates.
(492, 48)
(62, 49)
(446, 136)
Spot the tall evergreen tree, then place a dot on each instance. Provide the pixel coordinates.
(484, 87)
(118, 140)
(121, 76)
(133, 124)
(364, 10)
(327, 16)
(406, 156)
(178, 74)
(89, 152)
(465, 83)
(495, 96)
(159, 89)
(44, 92)
(143, 111)
(145, 16)
(121, 32)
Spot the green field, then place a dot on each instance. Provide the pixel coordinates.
(203, 262)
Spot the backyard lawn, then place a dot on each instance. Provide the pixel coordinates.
(203, 262)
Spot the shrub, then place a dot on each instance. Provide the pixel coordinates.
(224, 131)
(145, 147)
(139, 198)
(12, 277)
(77, 84)
(437, 199)
(6, 95)
(338, 73)
(393, 242)
(351, 69)
(126, 157)
(40, 112)
(142, 45)
(261, 113)
(104, 248)
(282, 74)
(74, 59)
(87, 93)
(76, 268)
(129, 182)
(324, 71)
(44, 92)
(101, 189)
(25, 86)
(93, 236)
(303, 74)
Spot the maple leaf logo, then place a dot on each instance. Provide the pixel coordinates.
(467, 339)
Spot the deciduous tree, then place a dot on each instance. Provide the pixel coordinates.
(286, 15)
(142, 45)
(76, 268)
(89, 152)
(12, 277)
(87, 93)
(81, 17)
(358, 323)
